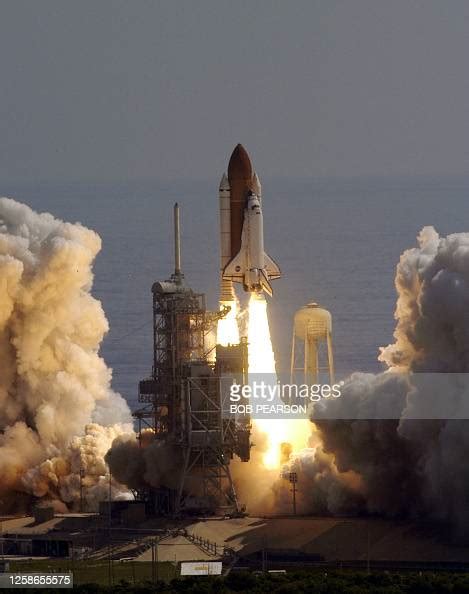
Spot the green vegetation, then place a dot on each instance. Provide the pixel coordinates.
(97, 572)
(295, 582)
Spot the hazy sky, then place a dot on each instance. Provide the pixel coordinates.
(112, 90)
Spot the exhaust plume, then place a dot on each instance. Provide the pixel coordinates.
(380, 453)
(58, 413)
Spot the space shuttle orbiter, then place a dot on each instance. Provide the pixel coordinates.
(243, 259)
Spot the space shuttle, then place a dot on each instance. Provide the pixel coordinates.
(243, 259)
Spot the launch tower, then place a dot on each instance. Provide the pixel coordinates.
(185, 396)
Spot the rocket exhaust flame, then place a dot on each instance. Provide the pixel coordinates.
(227, 328)
(279, 432)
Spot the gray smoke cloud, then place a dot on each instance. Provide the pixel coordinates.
(58, 413)
(375, 455)
(149, 462)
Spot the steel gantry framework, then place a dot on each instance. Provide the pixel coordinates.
(184, 399)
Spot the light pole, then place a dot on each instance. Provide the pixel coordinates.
(293, 478)
(82, 474)
(109, 530)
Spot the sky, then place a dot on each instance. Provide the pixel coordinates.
(118, 90)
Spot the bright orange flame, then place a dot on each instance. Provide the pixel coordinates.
(262, 361)
(227, 328)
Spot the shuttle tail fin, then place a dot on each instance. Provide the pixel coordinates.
(271, 267)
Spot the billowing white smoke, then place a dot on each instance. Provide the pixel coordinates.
(396, 464)
(58, 413)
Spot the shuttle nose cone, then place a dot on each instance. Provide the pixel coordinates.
(239, 166)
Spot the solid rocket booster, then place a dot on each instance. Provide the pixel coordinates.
(243, 258)
(226, 285)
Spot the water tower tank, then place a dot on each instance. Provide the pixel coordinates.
(312, 325)
(313, 320)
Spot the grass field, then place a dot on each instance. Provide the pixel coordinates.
(97, 572)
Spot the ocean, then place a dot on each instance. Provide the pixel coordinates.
(336, 241)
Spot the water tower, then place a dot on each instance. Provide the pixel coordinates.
(311, 351)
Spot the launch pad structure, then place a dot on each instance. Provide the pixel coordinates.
(185, 397)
